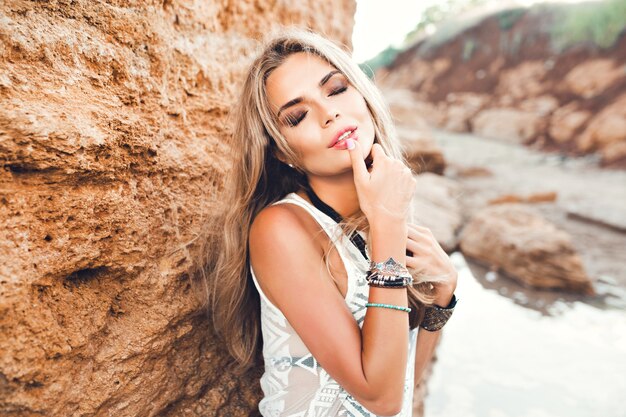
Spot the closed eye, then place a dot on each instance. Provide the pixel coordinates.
(295, 120)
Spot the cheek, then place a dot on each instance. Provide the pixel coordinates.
(301, 140)
(359, 104)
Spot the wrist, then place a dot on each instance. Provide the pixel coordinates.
(444, 296)
(388, 225)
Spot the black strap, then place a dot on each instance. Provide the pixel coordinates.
(356, 238)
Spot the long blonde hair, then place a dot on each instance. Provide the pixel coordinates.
(258, 178)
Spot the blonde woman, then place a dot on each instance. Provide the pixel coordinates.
(319, 193)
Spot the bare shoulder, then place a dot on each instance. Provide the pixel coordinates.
(284, 224)
(288, 264)
(281, 237)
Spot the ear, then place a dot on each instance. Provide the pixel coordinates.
(280, 156)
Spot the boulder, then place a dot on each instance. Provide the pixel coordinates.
(542, 105)
(437, 207)
(517, 240)
(612, 216)
(608, 127)
(408, 109)
(507, 124)
(614, 154)
(461, 107)
(522, 81)
(593, 77)
(566, 121)
(420, 150)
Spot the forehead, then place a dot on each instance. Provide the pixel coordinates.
(299, 73)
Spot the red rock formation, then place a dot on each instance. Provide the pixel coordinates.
(520, 242)
(520, 89)
(113, 118)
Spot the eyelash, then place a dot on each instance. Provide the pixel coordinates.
(294, 122)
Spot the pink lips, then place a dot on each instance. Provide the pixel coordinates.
(343, 144)
(352, 135)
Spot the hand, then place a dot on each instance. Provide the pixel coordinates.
(386, 190)
(428, 257)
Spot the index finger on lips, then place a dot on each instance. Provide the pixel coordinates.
(358, 163)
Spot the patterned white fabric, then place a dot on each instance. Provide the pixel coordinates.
(294, 384)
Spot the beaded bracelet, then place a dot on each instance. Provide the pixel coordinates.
(389, 284)
(407, 309)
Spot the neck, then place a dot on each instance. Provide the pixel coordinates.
(339, 192)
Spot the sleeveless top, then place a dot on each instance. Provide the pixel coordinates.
(294, 384)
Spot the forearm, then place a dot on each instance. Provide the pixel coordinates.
(427, 342)
(385, 331)
(424, 350)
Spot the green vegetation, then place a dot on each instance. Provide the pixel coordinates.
(433, 15)
(510, 45)
(438, 13)
(383, 59)
(507, 18)
(469, 46)
(599, 22)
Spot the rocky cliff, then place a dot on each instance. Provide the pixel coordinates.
(113, 116)
(504, 76)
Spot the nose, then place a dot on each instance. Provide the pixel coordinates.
(330, 116)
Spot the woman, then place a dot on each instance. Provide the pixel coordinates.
(317, 241)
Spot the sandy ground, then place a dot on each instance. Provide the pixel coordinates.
(579, 183)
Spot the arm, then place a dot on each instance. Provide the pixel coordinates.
(385, 331)
(369, 363)
(426, 344)
(427, 254)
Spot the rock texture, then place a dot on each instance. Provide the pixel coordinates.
(437, 207)
(418, 145)
(500, 77)
(516, 239)
(113, 120)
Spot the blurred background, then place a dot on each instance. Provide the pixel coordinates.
(515, 115)
(115, 143)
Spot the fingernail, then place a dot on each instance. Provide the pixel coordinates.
(350, 143)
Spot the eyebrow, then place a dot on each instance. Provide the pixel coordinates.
(299, 99)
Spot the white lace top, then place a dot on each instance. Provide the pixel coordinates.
(294, 384)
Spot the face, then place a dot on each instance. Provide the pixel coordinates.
(313, 103)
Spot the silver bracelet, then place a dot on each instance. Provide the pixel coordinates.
(389, 273)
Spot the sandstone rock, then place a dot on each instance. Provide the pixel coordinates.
(462, 107)
(611, 216)
(542, 105)
(593, 77)
(608, 127)
(507, 124)
(417, 75)
(565, 121)
(421, 151)
(437, 207)
(457, 117)
(407, 108)
(549, 196)
(473, 171)
(518, 241)
(522, 81)
(613, 153)
(526, 82)
(408, 76)
(113, 142)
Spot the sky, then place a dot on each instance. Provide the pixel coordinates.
(380, 23)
